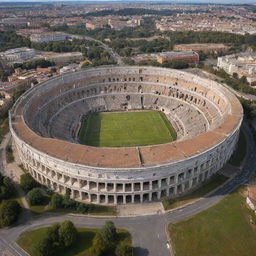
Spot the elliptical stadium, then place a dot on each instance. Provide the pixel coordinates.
(45, 123)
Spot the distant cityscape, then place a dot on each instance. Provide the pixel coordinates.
(127, 128)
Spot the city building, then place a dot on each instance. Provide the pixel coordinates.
(69, 68)
(46, 37)
(202, 48)
(242, 64)
(91, 25)
(14, 22)
(18, 55)
(189, 57)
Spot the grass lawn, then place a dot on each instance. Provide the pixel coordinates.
(213, 183)
(222, 230)
(239, 154)
(38, 209)
(80, 248)
(117, 129)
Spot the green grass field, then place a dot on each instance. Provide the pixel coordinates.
(222, 230)
(117, 129)
(80, 248)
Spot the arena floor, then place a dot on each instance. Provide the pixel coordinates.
(118, 129)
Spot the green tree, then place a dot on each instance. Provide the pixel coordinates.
(67, 233)
(6, 188)
(35, 196)
(44, 247)
(27, 182)
(123, 250)
(109, 232)
(99, 246)
(53, 235)
(56, 201)
(9, 212)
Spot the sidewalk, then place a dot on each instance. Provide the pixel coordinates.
(131, 210)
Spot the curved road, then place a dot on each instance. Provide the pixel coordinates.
(148, 232)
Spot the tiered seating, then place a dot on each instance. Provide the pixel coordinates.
(56, 112)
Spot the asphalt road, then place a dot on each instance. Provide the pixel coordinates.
(148, 232)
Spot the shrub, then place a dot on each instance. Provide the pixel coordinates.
(56, 201)
(9, 154)
(27, 182)
(123, 250)
(35, 196)
(83, 208)
(9, 212)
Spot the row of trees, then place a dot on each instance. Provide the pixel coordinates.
(126, 46)
(65, 202)
(74, 45)
(64, 235)
(58, 236)
(34, 64)
(176, 64)
(36, 195)
(137, 11)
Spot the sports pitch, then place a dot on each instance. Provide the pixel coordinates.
(119, 129)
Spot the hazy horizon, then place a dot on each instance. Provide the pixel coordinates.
(170, 1)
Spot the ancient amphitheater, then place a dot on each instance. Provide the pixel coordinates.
(45, 120)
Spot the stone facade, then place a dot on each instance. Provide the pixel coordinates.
(134, 174)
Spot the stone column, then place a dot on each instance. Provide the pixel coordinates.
(159, 183)
(150, 197)
(150, 185)
(72, 194)
(175, 190)
(158, 195)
